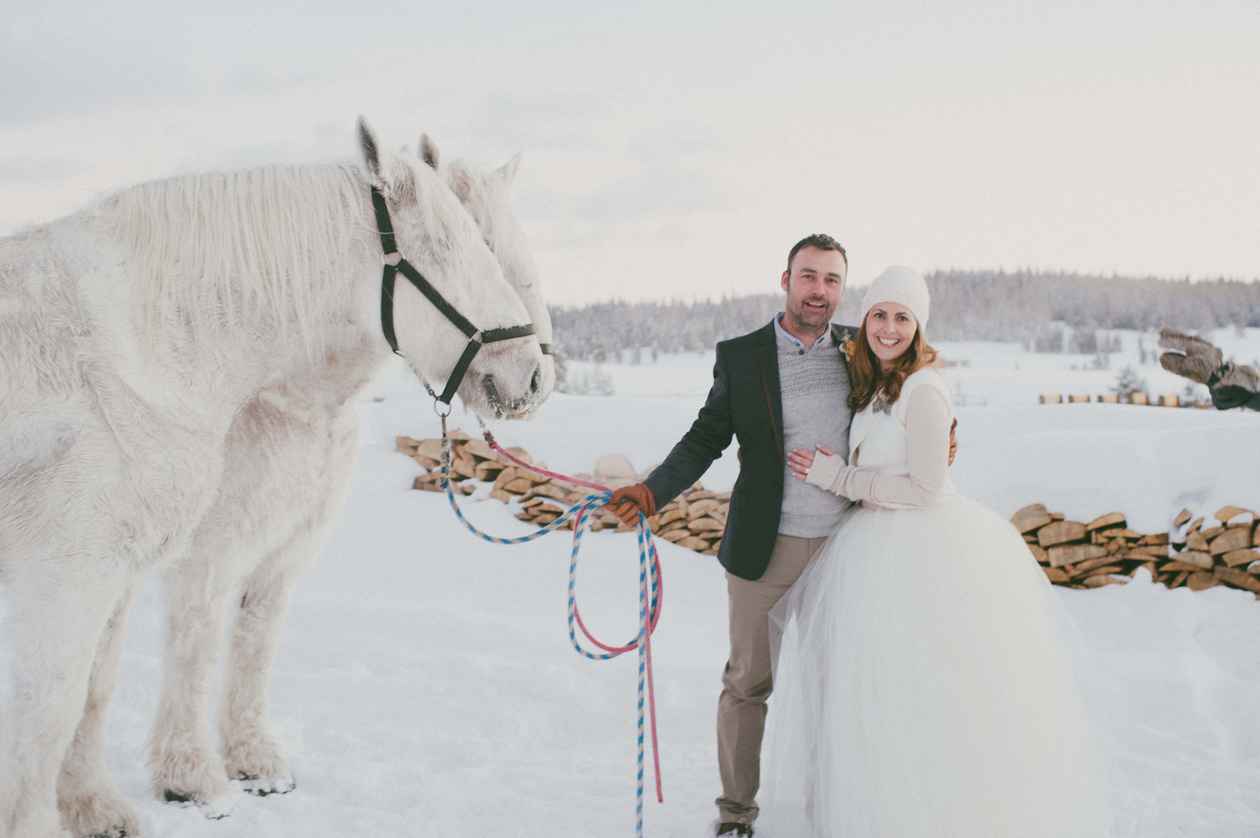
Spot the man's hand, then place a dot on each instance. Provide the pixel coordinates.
(627, 502)
(953, 442)
(1189, 357)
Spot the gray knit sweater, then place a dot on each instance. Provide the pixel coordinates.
(814, 383)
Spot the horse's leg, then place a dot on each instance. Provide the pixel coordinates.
(86, 796)
(61, 608)
(250, 750)
(185, 765)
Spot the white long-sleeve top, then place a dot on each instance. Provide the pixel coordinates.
(900, 458)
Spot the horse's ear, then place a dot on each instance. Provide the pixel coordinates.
(429, 151)
(369, 148)
(461, 182)
(507, 172)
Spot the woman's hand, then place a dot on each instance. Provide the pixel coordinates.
(800, 460)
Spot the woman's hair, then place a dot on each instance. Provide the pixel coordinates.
(868, 381)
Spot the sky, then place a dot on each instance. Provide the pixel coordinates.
(677, 150)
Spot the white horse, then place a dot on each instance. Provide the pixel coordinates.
(133, 336)
(247, 553)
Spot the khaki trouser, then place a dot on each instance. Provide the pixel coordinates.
(746, 682)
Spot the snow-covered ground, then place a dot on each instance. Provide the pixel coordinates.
(426, 686)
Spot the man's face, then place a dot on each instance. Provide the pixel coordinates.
(813, 282)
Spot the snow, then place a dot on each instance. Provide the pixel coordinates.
(426, 686)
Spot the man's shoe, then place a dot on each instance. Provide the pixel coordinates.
(735, 829)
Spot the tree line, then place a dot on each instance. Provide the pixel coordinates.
(1046, 311)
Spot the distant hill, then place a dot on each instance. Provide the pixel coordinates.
(1045, 311)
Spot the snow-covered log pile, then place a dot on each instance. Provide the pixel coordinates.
(694, 520)
(1196, 552)
(1143, 399)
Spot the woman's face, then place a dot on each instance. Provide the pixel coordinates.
(890, 329)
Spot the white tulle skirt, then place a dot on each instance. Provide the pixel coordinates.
(925, 689)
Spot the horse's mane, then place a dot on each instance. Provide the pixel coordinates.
(255, 248)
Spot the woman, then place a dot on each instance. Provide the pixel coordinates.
(923, 689)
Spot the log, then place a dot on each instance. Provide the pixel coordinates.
(1197, 558)
(694, 543)
(677, 535)
(703, 525)
(671, 514)
(1102, 581)
(1234, 538)
(431, 448)
(1196, 541)
(479, 449)
(502, 496)
(702, 494)
(518, 485)
(1092, 567)
(704, 506)
(1108, 521)
(427, 483)
(1178, 567)
(1155, 538)
(1212, 532)
(1149, 552)
(506, 476)
(1056, 575)
(1201, 580)
(548, 490)
(1060, 532)
(1227, 514)
(1074, 553)
(1032, 517)
(488, 470)
(1177, 579)
(1040, 555)
(405, 444)
(1237, 579)
(1182, 518)
(1246, 556)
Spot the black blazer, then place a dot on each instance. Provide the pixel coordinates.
(745, 403)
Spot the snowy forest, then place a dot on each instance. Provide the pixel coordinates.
(1047, 312)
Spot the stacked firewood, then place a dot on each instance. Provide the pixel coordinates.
(694, 520)
(1195, 552)
(1164, 400)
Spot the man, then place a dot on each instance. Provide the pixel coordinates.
(1230, 385)
(782, 387)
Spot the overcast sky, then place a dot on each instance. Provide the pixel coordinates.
(678, 150)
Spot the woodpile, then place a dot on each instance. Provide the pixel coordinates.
(695, 520)
(1165, 400)
(1195, 552)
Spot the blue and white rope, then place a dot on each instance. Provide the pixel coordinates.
(649, 592)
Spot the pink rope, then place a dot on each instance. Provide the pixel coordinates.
(653, 618)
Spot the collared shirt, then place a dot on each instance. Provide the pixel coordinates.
(824, 340)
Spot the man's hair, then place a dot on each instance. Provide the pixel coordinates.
(821, 241)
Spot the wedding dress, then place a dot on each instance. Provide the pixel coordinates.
(924, 687)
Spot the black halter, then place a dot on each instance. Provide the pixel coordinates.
(396, 264)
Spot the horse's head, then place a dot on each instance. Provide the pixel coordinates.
(487, 197)
(439, 238)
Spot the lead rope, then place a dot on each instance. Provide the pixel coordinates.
(651, 594)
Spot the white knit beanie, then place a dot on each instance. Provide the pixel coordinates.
(902, 285)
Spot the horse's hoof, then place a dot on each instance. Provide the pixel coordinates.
(98, 814)
(215, 809)
(265, 786)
